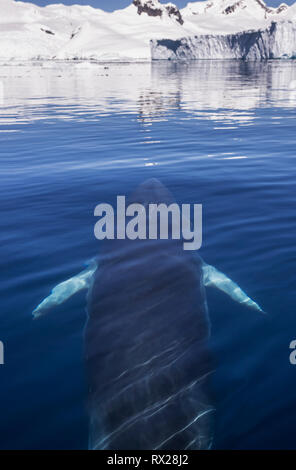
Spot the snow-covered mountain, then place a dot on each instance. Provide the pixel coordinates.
(82, 32)
(255, 8)
(231, 16)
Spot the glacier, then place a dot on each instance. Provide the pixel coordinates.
(275, 42)
(145, 30)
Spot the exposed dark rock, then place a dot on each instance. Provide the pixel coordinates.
(74, 33)
(154, 8)
(47, 31)
(173, 11)
(282, 7)
(148, 7)
(232, 8)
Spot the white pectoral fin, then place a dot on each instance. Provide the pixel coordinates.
(213, 277)
(66, 289)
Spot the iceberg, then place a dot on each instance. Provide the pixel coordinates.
(275, 42)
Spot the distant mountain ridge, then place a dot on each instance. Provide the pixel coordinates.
(29, 32)
(227, 7)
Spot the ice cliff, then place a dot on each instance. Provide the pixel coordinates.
(275, 42)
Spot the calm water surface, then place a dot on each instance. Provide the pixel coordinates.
(217, 133)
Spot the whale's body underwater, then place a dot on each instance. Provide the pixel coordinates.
(146, 340)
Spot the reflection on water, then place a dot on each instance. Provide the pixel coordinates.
(73, 135)
(69, 90)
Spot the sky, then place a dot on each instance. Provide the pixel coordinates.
(110, 5)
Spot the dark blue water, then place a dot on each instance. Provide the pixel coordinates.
(217, 133)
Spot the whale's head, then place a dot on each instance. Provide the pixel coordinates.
(151, 191)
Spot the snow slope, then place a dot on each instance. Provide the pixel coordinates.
(81, 32)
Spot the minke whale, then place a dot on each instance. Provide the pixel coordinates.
(146, 339)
